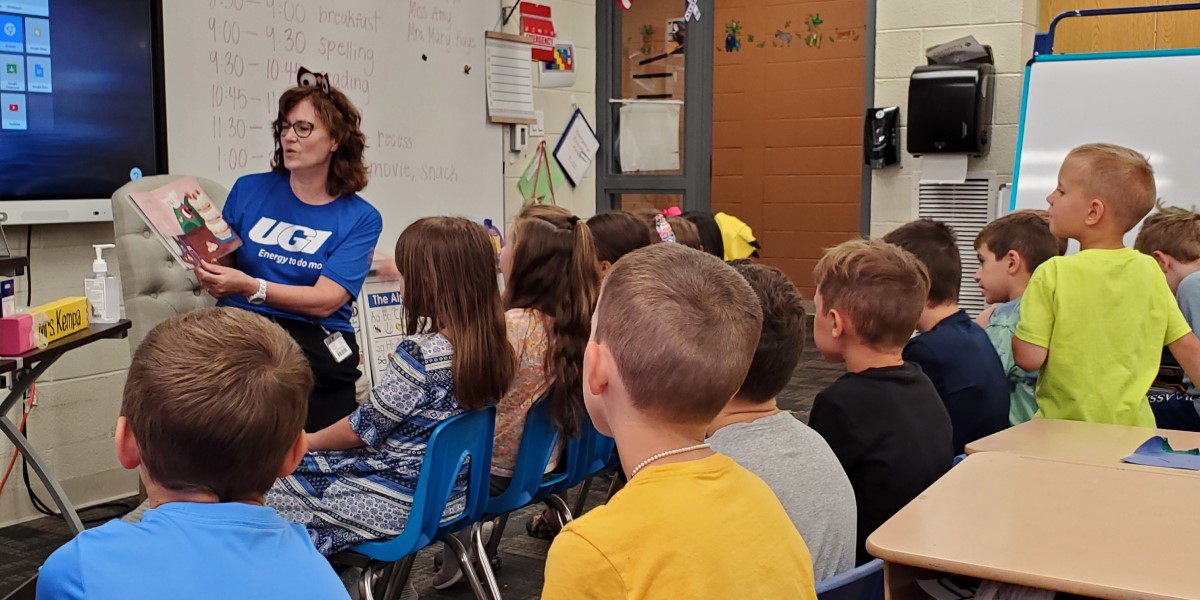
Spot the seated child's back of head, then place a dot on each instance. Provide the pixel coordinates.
(618, 233)
(213, 412)
(682, 327)
(227, 431)
(1172, 236)
(933, 243)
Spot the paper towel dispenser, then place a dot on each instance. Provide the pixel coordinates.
(950, 109)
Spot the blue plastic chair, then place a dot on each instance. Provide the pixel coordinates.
(592, 452)
(467, 435)
(864, 582)
(530, 482)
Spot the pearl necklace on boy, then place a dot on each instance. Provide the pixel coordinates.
(664, 455)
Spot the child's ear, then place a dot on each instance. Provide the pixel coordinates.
(1012, 262)
(294, 455)
(604, 267)
(837, 323)
(1163, 259)
(128, 453)
(596, 364)
(1096, 211)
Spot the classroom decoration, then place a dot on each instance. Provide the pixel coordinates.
(559, 72)
(693, 11)
(577, 147)
(541, 178)
(625, 4)
(509, 79)
(537, 26)
(812, 35)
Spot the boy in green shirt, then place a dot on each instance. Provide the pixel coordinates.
(1010, 249)
(1095, 322)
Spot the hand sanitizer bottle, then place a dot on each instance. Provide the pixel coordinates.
(103, 291)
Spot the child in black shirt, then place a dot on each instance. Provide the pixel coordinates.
(883, 418)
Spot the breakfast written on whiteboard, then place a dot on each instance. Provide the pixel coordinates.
(314, 34)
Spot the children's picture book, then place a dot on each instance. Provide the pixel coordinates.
(187, 223)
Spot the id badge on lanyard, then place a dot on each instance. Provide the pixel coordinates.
(337, 345)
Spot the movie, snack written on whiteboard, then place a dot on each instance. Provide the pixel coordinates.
(185, 220)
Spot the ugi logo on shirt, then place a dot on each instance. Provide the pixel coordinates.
(293, 238)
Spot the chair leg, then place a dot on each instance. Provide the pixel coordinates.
(615, 486)
(583, 492)
(464, 562)
(398, 577)
(560, 509)
(366, 591)
(485, 565)
(493, 543)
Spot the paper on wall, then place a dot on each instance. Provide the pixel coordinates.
(649, 137)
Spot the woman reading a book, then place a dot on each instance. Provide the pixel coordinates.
(307, 239)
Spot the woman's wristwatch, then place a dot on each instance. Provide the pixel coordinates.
(260, 296)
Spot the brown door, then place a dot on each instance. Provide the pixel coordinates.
(787, 125)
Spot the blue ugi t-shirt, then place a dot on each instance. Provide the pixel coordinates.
(287, 241)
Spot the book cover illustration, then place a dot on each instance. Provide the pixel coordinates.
(187, 222)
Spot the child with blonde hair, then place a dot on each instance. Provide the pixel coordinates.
(1095, 322)
(356, 482)
(883, 418)
(1172, 237)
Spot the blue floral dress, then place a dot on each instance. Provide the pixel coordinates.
(345, 497)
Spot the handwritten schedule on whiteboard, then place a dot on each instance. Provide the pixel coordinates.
(414, 68)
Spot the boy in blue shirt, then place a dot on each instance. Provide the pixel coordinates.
(213, 412)
(1010, 249)
(1172, 237)
(952, 350)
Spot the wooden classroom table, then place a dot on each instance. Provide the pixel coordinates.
(1100, 531)
(1076, 441)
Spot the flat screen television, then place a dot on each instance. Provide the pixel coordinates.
(81, 105)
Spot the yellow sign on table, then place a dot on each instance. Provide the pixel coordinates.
(58, 319)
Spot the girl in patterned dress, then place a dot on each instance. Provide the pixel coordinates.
(356, 483)
(552, 278)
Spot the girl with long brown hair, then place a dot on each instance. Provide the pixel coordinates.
(356, 482)
(552, 279)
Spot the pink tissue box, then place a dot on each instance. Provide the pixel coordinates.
(16, 334)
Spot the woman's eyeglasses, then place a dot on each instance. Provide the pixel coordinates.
(302, 128)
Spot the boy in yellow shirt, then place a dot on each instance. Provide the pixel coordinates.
(672, 338)
(1095, 322)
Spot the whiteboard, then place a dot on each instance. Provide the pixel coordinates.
(1147, 101)
(431, 150)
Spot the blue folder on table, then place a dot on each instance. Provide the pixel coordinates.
(1157, 452)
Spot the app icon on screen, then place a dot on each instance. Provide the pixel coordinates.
(37, 35)
(13, 116)
(12, 34)
(12, 79)
(38, 68)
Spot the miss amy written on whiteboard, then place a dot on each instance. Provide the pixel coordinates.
(308, 239)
